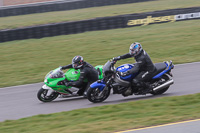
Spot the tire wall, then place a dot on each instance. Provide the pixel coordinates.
(122, 21)
(18, 2)
(59, 6)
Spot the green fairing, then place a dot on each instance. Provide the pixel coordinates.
(55, 76)
(54, 86)
(99, 69)
(72, 74)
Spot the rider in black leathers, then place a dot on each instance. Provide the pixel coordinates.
(143, 66)
(87, 71)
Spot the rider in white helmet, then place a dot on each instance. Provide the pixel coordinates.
(143, 66)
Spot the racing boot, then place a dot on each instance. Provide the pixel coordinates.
(147, 87)
(143, 87)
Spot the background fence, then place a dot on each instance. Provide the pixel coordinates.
(59, 6)
(105, 23)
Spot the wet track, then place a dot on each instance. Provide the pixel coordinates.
(21, 101)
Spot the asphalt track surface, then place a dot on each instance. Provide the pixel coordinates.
(21, 101)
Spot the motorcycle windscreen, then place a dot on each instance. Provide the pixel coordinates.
(57, 73)
(107, 67)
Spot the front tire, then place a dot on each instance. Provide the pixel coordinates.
(93, 95)
(42, 95)
(164, 78)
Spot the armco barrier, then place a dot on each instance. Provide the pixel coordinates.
(105, 23)
(59, 6)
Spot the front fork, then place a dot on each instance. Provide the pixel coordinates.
(106, 87)
(50, 90)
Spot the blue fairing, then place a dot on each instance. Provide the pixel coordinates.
(163, 72)
(98, 84)
(124, 68)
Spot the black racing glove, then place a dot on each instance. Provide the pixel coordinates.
(116, 58)
(61, 68)
(69, 83)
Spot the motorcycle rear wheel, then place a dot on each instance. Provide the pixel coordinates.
(41, 95)
(165, 78)
(92, 95)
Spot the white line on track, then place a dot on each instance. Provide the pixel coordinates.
(157, 126)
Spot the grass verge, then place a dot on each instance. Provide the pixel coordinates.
(88, 13)
(110, 118)
(28, 61)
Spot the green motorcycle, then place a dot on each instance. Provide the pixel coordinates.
(54, 84)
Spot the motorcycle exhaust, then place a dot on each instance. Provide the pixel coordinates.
(168, 83)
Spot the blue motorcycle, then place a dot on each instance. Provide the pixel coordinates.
(113, 79)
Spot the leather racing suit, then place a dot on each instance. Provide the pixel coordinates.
(88, 72)
(143, 66)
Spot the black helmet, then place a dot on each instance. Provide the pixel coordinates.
(135, 49)
(77, 62)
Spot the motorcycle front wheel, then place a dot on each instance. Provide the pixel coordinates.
(96, 96)
(42, 95)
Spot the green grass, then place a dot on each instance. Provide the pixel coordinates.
(110, 118)
(88, 13)
(28, 61)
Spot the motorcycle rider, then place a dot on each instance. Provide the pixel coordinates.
(87, 71)
(143, 66)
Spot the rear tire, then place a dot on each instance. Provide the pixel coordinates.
(92, 95)
(164, 78)
(41, 95)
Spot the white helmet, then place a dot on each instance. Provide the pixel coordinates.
(135, 49)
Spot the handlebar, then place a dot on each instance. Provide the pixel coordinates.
(113, 61)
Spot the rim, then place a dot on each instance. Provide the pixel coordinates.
(43, 95)
(97, 95)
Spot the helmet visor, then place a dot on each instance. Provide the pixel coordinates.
(132, 52)
(77, 64)
(133, 49)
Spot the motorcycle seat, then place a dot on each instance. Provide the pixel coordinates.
(160, 67)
